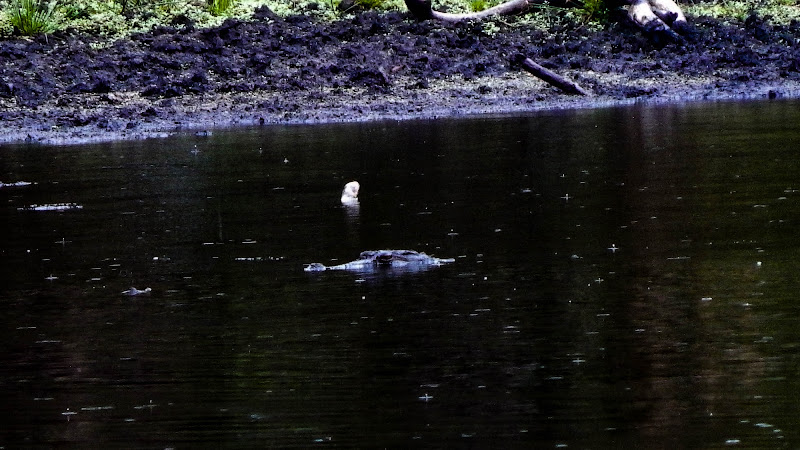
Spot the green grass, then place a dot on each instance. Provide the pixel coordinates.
(219, 7)
(779, 11)
(116, 18)
(30, 17)
(595, 10)
(478, 5)
(370, 4)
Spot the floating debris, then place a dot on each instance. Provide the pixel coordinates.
(51, 207)
(133, 291)
(149, 406)
(350, 193)
(259, 258)
(15, 184)
(96, 408)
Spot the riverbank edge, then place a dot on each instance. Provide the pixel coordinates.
(513, 93)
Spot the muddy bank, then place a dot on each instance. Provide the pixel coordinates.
(71, 88)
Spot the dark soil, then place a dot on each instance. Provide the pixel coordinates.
(69, 88)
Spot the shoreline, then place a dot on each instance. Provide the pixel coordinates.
(370, 68)
(196, 116)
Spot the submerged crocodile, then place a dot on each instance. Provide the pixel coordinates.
(372, 260)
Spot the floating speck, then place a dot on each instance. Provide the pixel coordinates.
(96, 408)
(732, 442)
(150, 406)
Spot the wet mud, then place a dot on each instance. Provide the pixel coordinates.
(71, 88)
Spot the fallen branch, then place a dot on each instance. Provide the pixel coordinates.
(549, 76)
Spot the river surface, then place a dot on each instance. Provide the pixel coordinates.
(623, 278)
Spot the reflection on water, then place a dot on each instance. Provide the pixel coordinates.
(623, 278)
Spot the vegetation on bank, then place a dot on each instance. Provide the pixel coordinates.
(115, 18)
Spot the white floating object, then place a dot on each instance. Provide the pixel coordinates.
(134, 291)
(15, 184)
(350, 193)
(51, 207)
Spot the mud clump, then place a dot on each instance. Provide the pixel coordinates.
(72, 88)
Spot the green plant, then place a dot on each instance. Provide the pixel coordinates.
(31, 17)
(370, 4)
(218, 7)
(595, 10)
(125, 4)
(333, 5)
(478, 5)
(77, 10)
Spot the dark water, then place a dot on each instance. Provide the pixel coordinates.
(624, 278)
